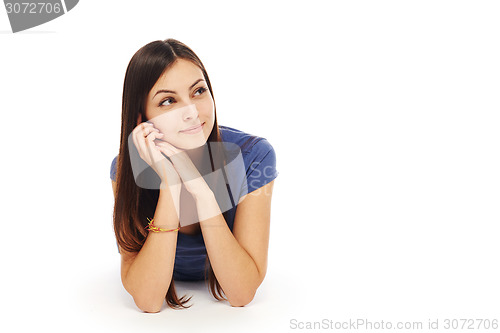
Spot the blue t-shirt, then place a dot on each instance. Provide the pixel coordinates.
(259, 161)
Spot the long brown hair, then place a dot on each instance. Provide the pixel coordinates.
(133, 204)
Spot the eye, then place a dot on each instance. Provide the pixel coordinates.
(200, 91)
(170, 101)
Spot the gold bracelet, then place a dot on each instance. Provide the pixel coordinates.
(153, 228)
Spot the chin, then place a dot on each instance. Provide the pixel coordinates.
(192, 143)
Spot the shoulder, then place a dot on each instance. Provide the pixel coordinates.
(112, 170)
(249, 144)
(259, 159)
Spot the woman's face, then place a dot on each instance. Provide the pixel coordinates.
(181, 106)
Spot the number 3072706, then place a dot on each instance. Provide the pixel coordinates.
(32, 8)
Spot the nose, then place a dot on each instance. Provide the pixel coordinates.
(190, 112)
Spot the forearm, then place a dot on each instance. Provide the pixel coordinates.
(149, 275)
(235, 270)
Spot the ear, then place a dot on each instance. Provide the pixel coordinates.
(139, 119)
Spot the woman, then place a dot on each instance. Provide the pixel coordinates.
(169, 125)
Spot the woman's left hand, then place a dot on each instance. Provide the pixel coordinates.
(189, 174)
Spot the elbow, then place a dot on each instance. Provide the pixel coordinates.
(150, 303)
(242, 300)
(148, 306)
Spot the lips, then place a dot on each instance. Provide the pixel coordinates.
(193, 129)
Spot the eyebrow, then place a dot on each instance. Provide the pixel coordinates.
(173, 92)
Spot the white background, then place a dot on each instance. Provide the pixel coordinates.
(384, 116)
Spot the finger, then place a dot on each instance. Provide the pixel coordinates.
(141, 126)
(165, 149)
(153, 135)
(166, 145)
(145, 129)
(151, 147)
(141, 132)
(150, 139)
(140, 144)
(135, 133)
(170, 146)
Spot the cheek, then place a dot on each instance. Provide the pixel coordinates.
(205, 108)
(167, 124)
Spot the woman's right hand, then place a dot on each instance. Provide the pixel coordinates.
(143, 136)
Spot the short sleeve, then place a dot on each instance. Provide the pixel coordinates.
(112, 174)
(261, 166)
(112, 171)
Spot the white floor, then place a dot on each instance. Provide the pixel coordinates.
(105, 305)
(338, 272)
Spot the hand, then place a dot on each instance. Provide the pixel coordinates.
(189, 174)
(143, 136)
